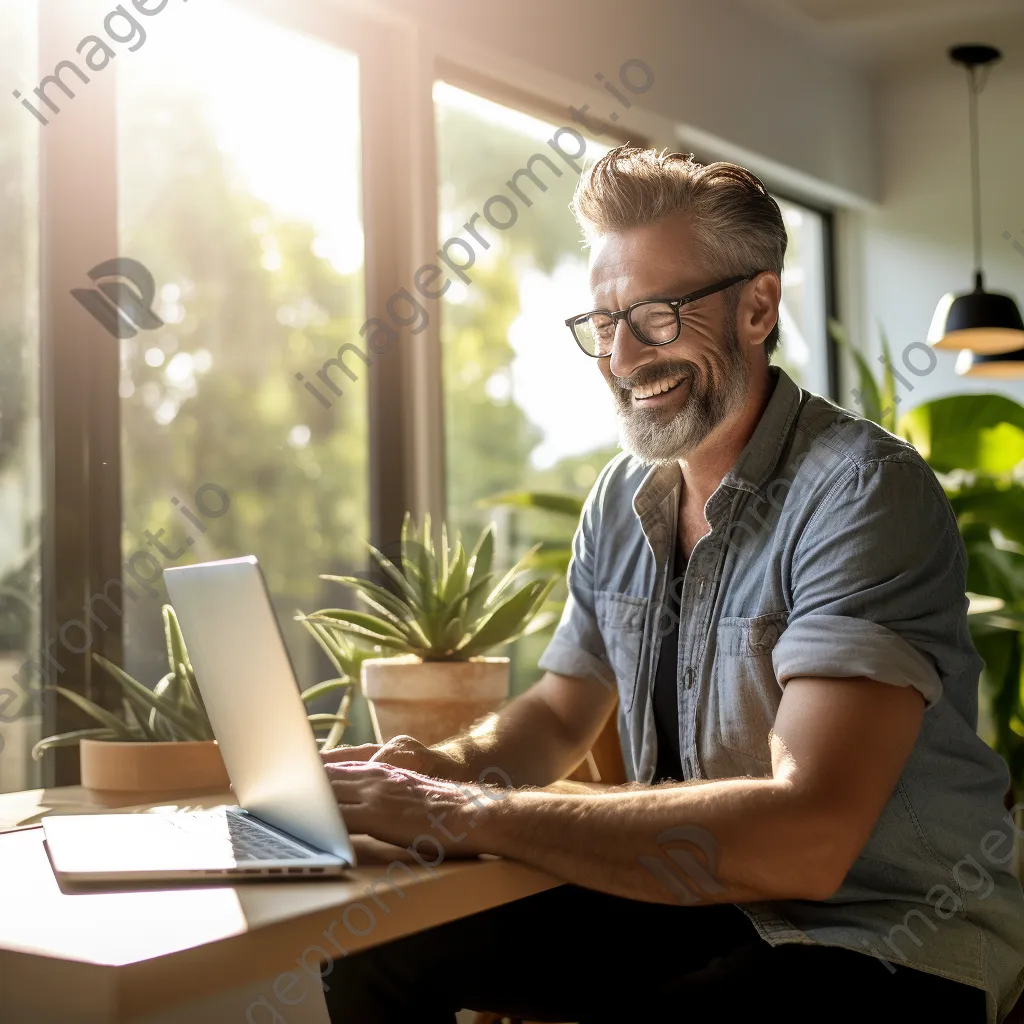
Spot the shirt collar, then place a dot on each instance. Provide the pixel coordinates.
(761, 454)
(756, 462)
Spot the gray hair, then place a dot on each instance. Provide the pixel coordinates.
(737, 224)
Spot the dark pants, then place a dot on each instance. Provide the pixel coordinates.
(571, 954)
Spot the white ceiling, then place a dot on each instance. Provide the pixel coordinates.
(885, 36)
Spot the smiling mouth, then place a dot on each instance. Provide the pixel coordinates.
(659, 387)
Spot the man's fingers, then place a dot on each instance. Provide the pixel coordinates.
(360, 752)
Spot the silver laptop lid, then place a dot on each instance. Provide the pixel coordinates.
(248, 685)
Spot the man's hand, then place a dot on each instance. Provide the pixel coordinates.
(399, 806)
(401, 752)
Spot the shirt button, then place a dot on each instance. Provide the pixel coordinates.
(700, 586)
(688, 678)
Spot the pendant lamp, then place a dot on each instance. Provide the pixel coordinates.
(986, 326)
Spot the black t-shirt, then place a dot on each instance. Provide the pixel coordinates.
(666, 697)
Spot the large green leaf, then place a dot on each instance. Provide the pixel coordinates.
(548, 501)
(984, 433)
(993, 504)
(870, 396)
(995, 572)
(1004, 680)
(552, 559)
(888, 399)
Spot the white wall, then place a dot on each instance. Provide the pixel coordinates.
(917, 244)
(721, 72)
(892, 157)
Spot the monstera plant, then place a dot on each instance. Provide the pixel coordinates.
(975, 445)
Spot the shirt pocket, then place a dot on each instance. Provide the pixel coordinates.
(745, 694)
(620, 619)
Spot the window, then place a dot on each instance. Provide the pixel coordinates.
(241, 196)
(804, 348)
(20, 466)
(239, 192)
(523, 409)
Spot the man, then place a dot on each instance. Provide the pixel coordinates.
(773, 591)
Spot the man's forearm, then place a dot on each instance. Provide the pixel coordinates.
(737, 840)
(526, 740)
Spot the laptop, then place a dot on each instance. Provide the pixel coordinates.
(287, 823)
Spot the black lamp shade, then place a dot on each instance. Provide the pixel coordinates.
(987, 323)
(1002, 366)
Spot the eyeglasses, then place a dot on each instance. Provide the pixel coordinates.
(653, 321)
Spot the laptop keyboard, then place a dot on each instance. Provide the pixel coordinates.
(249, 841)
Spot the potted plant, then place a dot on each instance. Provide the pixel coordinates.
(435, 630)
(162, 741)
(975, 445)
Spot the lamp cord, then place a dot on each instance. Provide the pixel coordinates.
(975, 84)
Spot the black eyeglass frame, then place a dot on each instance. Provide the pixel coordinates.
(676, 304)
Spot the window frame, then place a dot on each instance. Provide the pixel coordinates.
(828, 247)
(81, 425)
(80, 368)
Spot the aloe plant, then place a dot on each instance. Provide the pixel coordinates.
(446, 605)
(173, 711)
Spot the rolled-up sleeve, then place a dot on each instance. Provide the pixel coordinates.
(577, 648)
(877, 581)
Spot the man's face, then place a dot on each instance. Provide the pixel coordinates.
(669, 398)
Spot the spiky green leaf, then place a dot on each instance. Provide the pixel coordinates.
(321, 689)
(67, 739)
(106, 718)
(506, 580)
(503, 622)
(396, 577)
(185, 723)
(483, 554)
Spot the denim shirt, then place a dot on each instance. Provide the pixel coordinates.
(833, 553)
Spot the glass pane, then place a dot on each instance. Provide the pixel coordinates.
(511, 420)
(803, 348)
(20, 721)
(242, 198)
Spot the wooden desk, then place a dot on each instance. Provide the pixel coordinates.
(113, 956)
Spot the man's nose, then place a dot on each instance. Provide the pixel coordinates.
(629, 353)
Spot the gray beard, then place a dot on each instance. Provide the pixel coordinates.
(718, 385)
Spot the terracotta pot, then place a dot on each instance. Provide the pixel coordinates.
(431, 700)
(194, 766)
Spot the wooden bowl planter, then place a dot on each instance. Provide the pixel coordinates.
(431, 700)
(181, 767)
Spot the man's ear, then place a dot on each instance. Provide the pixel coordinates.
(759, 308)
